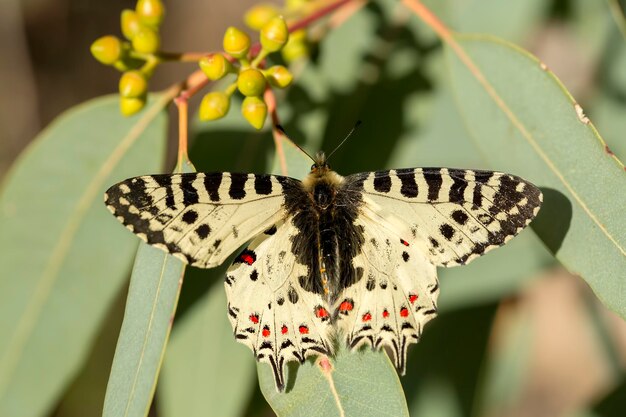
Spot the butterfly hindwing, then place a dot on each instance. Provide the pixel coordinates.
(199, 217)
(269, 310)
(453, 215)
(397, 294)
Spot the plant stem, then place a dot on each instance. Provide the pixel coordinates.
(183, 122)
(182, 57)
(318, 14)
(270, 100)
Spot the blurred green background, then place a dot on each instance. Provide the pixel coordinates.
(517, 334)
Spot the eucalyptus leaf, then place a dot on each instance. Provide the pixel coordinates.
(64, 257)
(206, 372)
(365, 382)
(150, 307)
(155, 286)
(523, 118)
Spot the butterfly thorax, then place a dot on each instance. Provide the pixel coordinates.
(322, 184)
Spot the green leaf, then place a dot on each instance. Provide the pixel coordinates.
(507, 367)
(64, 257)
(206, 372)
(445, 368)
(525, 121)
(150, 307)
(514, 21)
(366, 384)
(289, 160)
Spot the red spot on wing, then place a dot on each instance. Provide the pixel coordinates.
(404, 312)
(321, 312)
(303, 330)
(254, 318)
(247, 259)
(404, 242)
(385, 313)
(367, 317)
(266, 331)
(412, 298)
(283, 329)
(346, 306)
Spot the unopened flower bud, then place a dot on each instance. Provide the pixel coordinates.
(254, 110)
(236, 42)
(150, 12)
(215, 66)
(130, 106)
(146, 40)
(107, 49)
(214, 105)
(251, 82)
(274, 34)
(133, 84)
(279, 76)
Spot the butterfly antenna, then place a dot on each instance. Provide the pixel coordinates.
(356, 126)
(282, 130)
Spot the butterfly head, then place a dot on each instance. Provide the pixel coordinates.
(320, 167)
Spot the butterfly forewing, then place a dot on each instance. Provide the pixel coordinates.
(200, 218)
(453, 215)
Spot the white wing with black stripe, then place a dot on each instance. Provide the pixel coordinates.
(453, 215)
(201, 218)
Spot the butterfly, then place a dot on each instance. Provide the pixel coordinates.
(352, 257)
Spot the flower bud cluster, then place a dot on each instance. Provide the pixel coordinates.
(136, 56)
(252, 79)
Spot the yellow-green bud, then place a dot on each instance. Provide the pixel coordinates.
(133, 84)
(259, 15)
(236, 42)
(131, 105)
(215, 66)
(130, 23)
(107, 49)
(146, 40)
(295, 4)
(251, 82)
(214, 105)
(150, 12)
(297, 46)
(274, 34)
(279, 76)
(254, 110)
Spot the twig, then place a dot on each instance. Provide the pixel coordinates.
(270, 100)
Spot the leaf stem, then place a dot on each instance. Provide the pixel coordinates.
(182, 56)
(183, 122)
(270, 100)
(318, 14)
